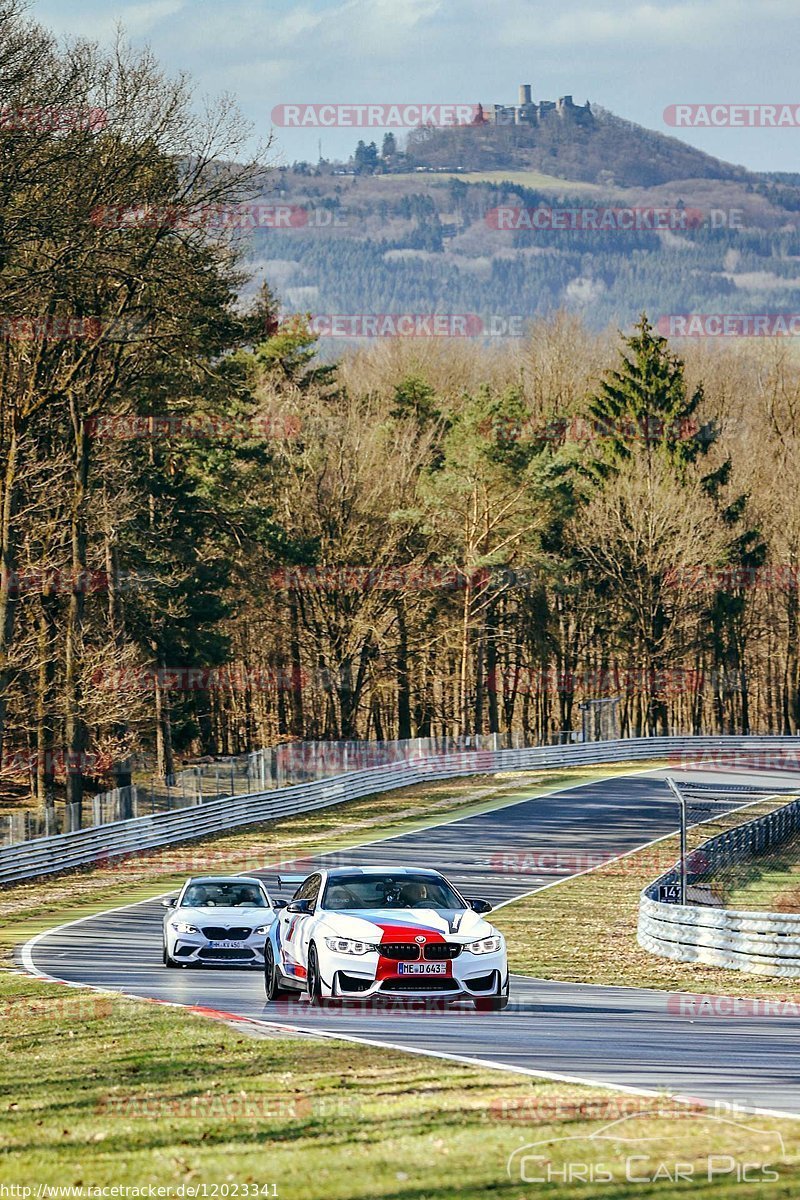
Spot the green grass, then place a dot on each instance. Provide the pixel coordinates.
(773, 884)
(103, 1091)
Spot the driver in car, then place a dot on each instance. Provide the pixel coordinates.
(414, 895)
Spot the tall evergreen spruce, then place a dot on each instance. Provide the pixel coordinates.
(645, 402)
(643, 411)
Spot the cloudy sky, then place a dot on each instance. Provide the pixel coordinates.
(634, 58)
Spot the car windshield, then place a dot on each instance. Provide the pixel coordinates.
(224, 895)
(347, 892)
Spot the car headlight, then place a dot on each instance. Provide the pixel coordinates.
(489, 945)
(182, 927)
(348, 946)
(262, 929)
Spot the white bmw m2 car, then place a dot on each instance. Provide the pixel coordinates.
(218, 919)
(363, 933)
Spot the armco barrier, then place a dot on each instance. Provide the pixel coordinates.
(761, 943)
(65, 851)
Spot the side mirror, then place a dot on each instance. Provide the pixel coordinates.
(480, 906)
(169, 902)
(279, 903)
(302, 907)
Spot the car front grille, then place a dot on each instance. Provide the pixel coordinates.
(215, 933)
(399, 951)
(228, 952)
(436, 951)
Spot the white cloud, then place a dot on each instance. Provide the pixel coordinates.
(88, 19)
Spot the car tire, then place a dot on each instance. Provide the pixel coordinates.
(167, 961)
(314, 978)
(272, 987)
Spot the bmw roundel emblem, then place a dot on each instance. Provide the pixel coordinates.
(419, 938)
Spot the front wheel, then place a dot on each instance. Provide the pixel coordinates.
(167, 961)
(315, 995)
(272, 986)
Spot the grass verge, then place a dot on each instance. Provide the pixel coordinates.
(100, 1091)
(773, 884)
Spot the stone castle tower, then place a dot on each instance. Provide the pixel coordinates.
(526, 112)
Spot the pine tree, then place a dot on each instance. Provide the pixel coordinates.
(644, 402)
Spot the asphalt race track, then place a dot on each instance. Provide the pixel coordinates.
(623, 1037)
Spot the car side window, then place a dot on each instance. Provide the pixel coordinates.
(309, 890)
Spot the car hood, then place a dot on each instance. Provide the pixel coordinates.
(219, 915)
(403, 924)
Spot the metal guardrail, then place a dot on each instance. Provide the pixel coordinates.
(67, 851)
(238, 775)
(761, 943)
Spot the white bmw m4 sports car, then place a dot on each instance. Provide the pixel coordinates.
(363, 933)
(219, 919)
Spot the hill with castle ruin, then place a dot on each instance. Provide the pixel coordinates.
(413, 228)
(582, 142)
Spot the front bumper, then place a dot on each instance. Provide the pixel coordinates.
(196, 950)
(350, 977)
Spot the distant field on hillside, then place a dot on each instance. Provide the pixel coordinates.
(530, 179)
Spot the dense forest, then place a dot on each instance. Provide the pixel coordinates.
(441, 250)
(212, 540)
